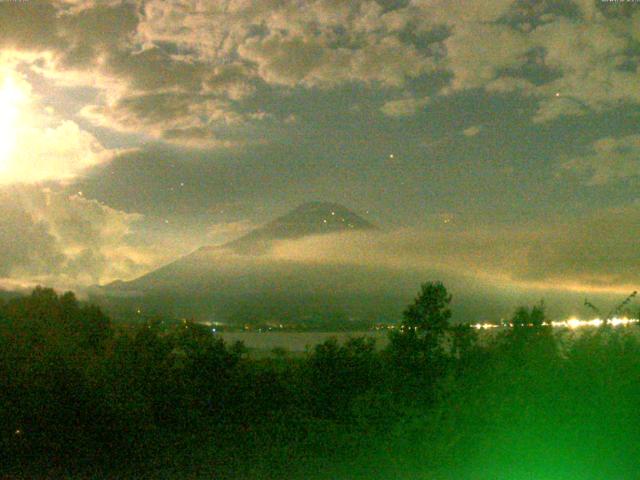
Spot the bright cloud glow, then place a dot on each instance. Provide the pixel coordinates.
(12, 97)
(35, 144)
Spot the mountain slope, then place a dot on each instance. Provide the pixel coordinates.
(311, 218)
(239, 277)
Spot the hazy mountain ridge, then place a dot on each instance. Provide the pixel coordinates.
(232, 276)
(311, 218)
(245, 281)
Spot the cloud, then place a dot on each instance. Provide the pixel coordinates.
(59, 152)
(472, 131)
(463, 11)
(36, 30)
(46, 236)
(404, 107)
(208, 56)
(596, 251)
(610, 159)
(585, 56)
(589, 58)
(595, 254)
(97, 44)
(478, 53)
(196, 60)
(309, 60)
(232, 80)
(319, 43)
(67, 241)
(550, 109)
(36, 145)
(172, 116)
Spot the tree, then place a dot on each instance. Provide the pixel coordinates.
(531, 334)
(428, 316)
(464, 339)
(417, 347)
(529, 318)
(339, 373)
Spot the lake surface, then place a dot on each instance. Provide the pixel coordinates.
(296, 341)
(299, 342)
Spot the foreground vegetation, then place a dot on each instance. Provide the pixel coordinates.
(79, 399)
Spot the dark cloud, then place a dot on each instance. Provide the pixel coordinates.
(29, 26)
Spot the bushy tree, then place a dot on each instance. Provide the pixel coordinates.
(464, 339)
(531, 335)
(425, 322)
(429, 313)
(417, 348)
(50, 320)
(338, 373)
(533, 317)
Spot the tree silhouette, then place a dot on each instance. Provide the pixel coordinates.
(531, 335)
(417, 347)
(529, 318)
(427, 318)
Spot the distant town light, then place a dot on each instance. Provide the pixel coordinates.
(572, 323)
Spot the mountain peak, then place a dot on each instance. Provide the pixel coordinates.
(315, 205)
(321, 209)
(309, 218)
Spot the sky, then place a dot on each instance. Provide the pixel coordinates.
(496, 139)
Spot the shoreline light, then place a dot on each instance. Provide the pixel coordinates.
(571, 323)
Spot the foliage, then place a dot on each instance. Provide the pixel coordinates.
(424, 324)
(80, 398)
